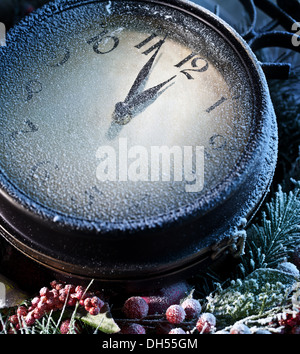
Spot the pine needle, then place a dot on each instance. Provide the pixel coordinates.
(273, 240)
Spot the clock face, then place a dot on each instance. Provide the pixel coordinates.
(121, 111)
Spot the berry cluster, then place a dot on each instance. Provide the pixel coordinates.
(165, 321)
(56, 298)
(290, 323)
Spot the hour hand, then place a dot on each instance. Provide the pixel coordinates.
(124, 111)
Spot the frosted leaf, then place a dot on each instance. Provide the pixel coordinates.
(289, 268)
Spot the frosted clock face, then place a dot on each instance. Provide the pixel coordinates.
(122, 111)
(134, 137)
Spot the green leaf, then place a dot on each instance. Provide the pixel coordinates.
(10, 294)
(257, 293)
(274, 239)
(104, 322)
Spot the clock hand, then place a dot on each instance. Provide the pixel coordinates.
(143, 74)
(124, 110)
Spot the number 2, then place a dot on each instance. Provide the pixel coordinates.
(194, 63)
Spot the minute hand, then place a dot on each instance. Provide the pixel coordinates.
(143, 74)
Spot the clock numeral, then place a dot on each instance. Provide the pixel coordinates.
(102, 39)
(41, 170)
(194, 58)
(31, 128)
(218, 142)
(64, 58)
(33, 87)
(153, 47)
(217, 104)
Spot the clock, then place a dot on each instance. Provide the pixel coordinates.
(136, 138)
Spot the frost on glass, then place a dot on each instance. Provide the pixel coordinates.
(62, 78)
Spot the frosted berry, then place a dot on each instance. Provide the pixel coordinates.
(70, 288)
(157, 304)
(192, 308)
(66, 327)
(29, 319)
(206, 323)
(175, 292)
(14, 319)
(240, 328)
(44, 292)
(163, 299)
(35, 301)
(22, 311)
(133, 328)
(94, 311)
(177, 331)
(175, 314)
(87, 303)
(135, 307)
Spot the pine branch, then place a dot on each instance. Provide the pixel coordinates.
(275, 238)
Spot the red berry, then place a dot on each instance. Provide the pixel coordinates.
(177, 331)
(37, 313)
(29, 319)
(192, 308)
(171, 295)
(94, 311)
(54, 294)
(42, 306)
(157, 304)
(35, 301)
(70, 288)
(95, 301)
(133, 328)
(175, 314)
(135, 307)
(22, 311)
(66, 327)
(59, 286)
(175, 292)
(14, 319)
(44, 292)
(53, 284)
(71, 301)
(206, 323)
(87, 302)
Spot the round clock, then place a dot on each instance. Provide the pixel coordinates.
(136, 136)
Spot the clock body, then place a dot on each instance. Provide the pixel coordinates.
(136, 137)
